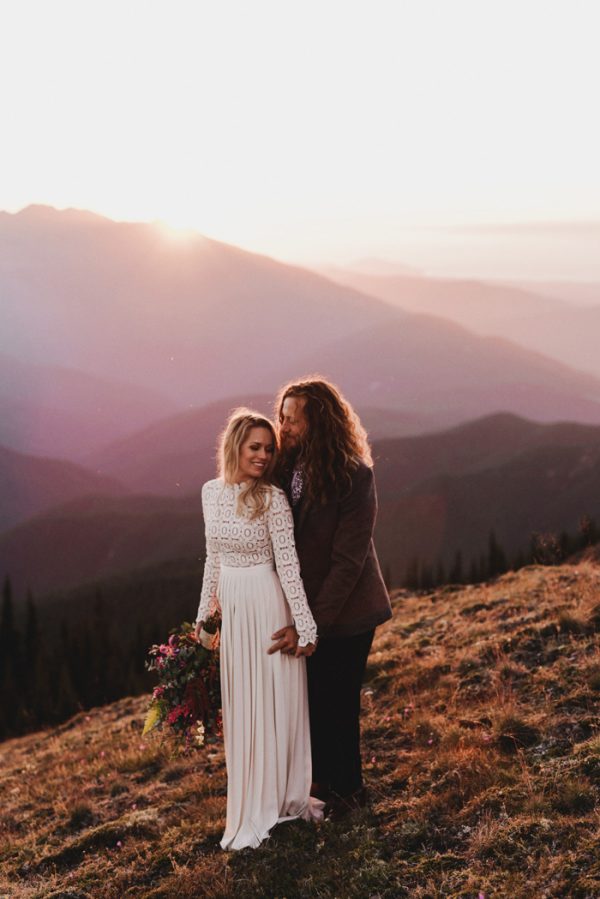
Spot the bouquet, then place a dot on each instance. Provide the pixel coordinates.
(187, 698)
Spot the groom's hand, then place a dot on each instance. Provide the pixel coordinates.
(286, 640)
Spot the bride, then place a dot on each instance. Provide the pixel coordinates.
(252, 575)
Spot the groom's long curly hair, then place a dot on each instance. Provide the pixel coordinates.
(334, 444)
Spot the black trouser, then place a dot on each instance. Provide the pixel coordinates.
(335, 674)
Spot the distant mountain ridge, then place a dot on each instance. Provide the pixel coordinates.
(538, 321)
(50, 410)
(501, 473)
(30, 485)
(194, 319)
(197, 321)
(438, 493)
(177, 454)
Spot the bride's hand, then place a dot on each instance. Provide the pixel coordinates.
(197, 629)
(305, 650)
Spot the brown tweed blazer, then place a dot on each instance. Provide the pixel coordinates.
(338, 563)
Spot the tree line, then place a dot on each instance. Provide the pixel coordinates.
(88, 648)
(544, 549)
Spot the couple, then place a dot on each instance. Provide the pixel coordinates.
(295, 576)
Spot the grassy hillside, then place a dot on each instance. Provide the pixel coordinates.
(481, 749)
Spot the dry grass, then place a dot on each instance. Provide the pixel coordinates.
(481, 749)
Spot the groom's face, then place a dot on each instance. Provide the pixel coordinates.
(293, 423)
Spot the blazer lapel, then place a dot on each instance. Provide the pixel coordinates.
(301, 511)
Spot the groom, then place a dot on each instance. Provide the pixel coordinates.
(326, 470)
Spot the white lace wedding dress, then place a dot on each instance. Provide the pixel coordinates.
(265, 707)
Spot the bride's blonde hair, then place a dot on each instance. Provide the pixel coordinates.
(255, 496)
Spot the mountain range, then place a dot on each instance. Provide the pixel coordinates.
(50, 410)
(438, 494)
(123, 351)
(30, 485)
(539, 321)
(194, 321)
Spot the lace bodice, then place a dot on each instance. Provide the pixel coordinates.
(241, 542)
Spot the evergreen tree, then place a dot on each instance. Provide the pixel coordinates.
(65, 698)
(411, 578)
(426, 576)
(440, 574)
(31, 628)
(456, 572)
(496, 557)
(519, 561)
(41, 704)
(7, 631)
(474, 574)
(566, 545)
(589, 532)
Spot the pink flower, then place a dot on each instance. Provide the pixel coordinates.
(175, 713)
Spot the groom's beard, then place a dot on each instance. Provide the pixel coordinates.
(289, 454)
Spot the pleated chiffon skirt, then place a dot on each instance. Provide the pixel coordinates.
(265, 710)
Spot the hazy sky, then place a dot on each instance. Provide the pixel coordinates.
(306, 130)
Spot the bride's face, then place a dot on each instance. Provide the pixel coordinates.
(256, 454)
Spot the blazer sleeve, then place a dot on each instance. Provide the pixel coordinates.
(351, 545)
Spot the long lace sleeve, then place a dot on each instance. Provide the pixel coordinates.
(281, 532)
(209, 602)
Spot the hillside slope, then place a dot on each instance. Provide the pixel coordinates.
(444, 493)
(50, 410)
(481, 742)
(29, 485)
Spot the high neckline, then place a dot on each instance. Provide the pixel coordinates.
(235, 485)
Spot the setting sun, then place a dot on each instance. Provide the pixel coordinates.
(310, 134)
